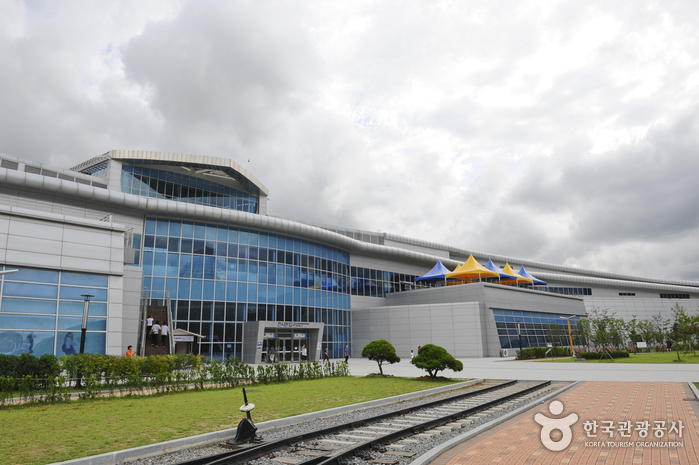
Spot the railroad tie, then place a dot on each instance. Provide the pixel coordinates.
(400, 454)
(355, 436)
(335, 441)
(287, 460)
(456, 425)
(395, 446)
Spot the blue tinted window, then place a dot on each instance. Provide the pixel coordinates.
(75, 293)
(28, 305)
(75, 324)
(33, 276)
(10, 321)
(30, 290)
(84, 279)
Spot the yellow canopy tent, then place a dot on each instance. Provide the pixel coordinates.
(472, 269)
(520, 279)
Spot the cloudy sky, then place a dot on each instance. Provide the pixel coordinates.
(561, 131)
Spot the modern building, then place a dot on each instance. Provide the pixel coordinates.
(192, 234)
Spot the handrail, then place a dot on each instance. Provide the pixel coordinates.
(143, 335)
(170, 338)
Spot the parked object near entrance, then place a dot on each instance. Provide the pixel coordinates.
(380, 351)
(434, 359)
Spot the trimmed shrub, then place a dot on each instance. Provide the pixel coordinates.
(531, 353)
(380, 351)
(434, 359)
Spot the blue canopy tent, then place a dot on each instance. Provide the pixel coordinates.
(535, 281)
(437, 273)
(491, 266)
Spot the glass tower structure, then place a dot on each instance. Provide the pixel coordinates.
(219, 277)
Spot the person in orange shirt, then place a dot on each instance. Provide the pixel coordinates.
(130, 352)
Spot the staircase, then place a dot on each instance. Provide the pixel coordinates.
(150, 305)
(159, 313)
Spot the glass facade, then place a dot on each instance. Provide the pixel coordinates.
(378, 283)
(151, 182)
(220, 277)
(537, 329)
(564, 290)
(41, 312)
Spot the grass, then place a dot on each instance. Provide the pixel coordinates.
(41, 434)
(643, 357)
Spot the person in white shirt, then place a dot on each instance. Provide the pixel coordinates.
(154, 331)
(163, 335)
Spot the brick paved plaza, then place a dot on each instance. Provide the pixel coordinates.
(608, 405)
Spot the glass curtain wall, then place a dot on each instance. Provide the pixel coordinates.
(537, 329)
(151, 182)
(220, 277)
(41, 312)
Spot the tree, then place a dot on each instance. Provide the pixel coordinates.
(647, 332)
(380, 351)
(584, 333)
(681, 327)
(661, 328)
(632, 327)
(433, 359)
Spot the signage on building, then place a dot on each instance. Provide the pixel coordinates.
(259, 346)
(300, 335)
(270, 335)
(290, 324)
(177, 338)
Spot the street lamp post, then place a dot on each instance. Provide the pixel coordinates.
(570, 334)
(86, 309)
(519, 334)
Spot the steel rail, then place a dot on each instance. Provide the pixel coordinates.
(247, 454)
(340, 458)
(256, 451)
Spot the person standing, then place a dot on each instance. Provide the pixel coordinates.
(130, 352)
(347, 353)
(149, 324)
(411, 354)
(163, 335)
(155, 329)
(304, 354)
(271, 353)
(326, 358)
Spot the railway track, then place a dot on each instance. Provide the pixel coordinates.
(389, 438)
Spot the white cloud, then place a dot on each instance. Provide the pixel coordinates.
(560, 131)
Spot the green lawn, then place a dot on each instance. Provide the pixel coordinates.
(41, 434)
(650, 357)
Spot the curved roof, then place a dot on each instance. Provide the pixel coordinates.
(280, 225)
(208, 166)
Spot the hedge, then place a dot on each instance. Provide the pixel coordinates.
(540, 352)
(48, 379)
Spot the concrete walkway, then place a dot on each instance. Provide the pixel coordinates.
(508, 368)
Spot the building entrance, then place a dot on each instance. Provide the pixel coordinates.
(287, 344)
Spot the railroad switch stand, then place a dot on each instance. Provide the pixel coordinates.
(246, 431)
